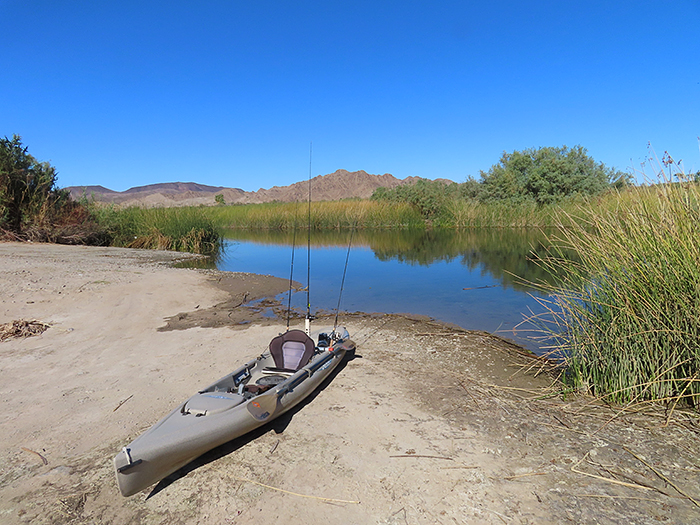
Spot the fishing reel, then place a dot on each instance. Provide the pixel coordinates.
(327, 340)
(324, 341)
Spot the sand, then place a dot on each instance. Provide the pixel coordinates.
(428, 424)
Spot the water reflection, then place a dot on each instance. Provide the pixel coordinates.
(503, 253)
(472, 278)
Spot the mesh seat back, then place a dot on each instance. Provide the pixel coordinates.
(292, 350)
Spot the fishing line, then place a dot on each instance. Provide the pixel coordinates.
(291, 270)
(342, 282)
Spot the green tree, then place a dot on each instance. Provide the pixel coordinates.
(219, 199)
(546, 175)
(27, 186)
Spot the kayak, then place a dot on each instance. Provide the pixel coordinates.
(250, 396)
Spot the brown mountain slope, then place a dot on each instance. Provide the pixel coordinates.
(341, 184)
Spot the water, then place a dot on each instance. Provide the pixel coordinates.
(466, 278)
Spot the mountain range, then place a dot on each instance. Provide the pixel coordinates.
(341, 184)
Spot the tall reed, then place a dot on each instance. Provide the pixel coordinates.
(627, 315)
(456, 213)
(324, 215)
(470, 213)
(180, 229)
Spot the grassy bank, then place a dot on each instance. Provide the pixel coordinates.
(178, 229)
(332, 215)
(624, 311)
(371, 214)
(626, 315)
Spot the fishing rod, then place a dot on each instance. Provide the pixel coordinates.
(307, 322)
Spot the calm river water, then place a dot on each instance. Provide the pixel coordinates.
(466, 278)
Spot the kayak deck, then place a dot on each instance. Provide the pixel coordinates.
(236, 404)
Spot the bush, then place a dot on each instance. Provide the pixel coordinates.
(26, 186)
(428, 197)
(33, 208)
(547, 175)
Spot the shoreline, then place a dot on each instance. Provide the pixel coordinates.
(429, 424)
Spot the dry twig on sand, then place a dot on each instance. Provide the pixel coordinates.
(329, 500)
(609, 480)
(664, 478)
(43, 459)
(122, 402)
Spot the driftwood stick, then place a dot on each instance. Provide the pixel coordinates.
(43, 459)
(122, 402)
(610, 480)
(420, 456)
(663, 477)
(294, 493)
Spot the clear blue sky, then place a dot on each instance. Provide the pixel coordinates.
(232, 92)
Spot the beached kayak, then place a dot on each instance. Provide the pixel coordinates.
(257, 392)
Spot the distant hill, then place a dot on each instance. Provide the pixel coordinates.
(339, 185)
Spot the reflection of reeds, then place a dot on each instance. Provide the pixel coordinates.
(627, 316)
(502, 252)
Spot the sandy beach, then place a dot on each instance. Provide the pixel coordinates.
(429, 424)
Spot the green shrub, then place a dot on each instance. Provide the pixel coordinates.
(33, 208)
(428, 197)
(547, 175)
(27, 186)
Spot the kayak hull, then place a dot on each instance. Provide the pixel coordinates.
(219, 413)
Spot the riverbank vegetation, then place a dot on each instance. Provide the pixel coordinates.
(525, 189)
(625, 315)
(623, 312)
(330, 215)
(177, 229)
(33, 208)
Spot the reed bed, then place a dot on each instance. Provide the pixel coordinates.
(470, 213)
(331, 215)
(179, 229)
(626, 318)
(455, 213)
(462, 214)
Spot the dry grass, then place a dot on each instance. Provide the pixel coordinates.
(22, 328)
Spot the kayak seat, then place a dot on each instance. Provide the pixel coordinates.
(291, 351)
(206, 403)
